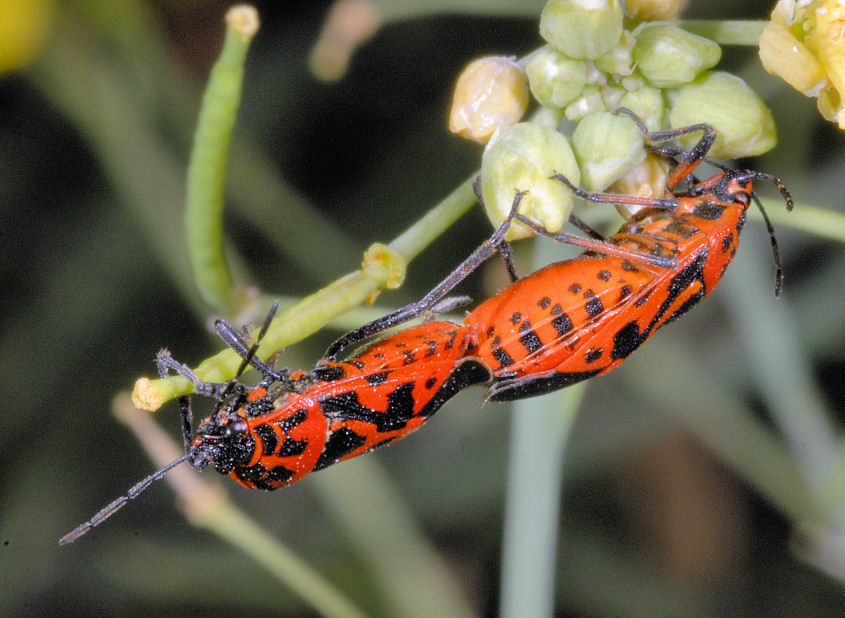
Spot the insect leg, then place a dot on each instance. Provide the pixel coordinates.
(415, 309)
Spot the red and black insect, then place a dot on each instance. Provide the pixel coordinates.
(565, 323)
(351, 407)
(276, 432)
(582, 317)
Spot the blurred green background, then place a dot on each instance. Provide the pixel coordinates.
(706, 476)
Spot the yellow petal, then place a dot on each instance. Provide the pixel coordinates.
(783, 55)
(830, 41)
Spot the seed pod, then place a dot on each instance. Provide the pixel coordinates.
(744, 124)
(582, 28)
(523, 157)
(491, 92)
(608, 146)
(669, 56)
(554, 79)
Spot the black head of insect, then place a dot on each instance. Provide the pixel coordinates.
(223, 439)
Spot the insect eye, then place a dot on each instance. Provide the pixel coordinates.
(238, 428)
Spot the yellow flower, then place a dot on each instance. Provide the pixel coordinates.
(23, 28)
(804, 44)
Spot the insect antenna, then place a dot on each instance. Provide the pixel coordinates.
(110, 509)
(787, 197)
(775, 248)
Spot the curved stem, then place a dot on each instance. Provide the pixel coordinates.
(207, 167)
(313, 312)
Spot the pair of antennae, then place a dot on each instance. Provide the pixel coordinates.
(219, 391)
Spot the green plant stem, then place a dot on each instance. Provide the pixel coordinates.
(726, 31)
(314, 311)
(724, 423)
(816, 220)
(768, 333)
(207, 506)
(436, 221)
(207, 171)
(367, 505)
(539, 434)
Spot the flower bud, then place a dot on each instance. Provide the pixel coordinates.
(647, 104)
(589, 102)
(582, 28)
(384, 265)
(608, 146)
(619, 60)
(611, 95)
(491, 92)
(523, 157)
(554, 79)
(744, 124)
(653, 10)
(669, 56)
(648, 179)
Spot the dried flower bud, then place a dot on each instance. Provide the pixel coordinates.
(491, 92)
(608, 146)
(522, 157)
(648, 179)
(669, 56)
(582, 28)
(744, 124)
(653, 10)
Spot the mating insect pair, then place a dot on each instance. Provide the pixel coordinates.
(567, 322)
